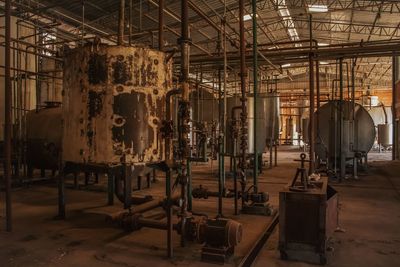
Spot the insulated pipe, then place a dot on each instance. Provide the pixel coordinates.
(312, 103)
(7, 115)
(161, 25)
(121, 22)
(243, 99)
(255, 89)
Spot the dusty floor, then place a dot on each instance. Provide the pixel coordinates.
(369, 214)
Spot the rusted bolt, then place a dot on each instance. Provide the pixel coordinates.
(119, 121)
(120, 89)
(155, 91)
(155, 61)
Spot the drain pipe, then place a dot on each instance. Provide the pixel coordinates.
(121, 22)
(243, 99)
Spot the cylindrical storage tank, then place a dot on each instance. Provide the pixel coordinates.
(261, 123)
(382, 115)
(44, 137)
(262, 111)
(385, 135)
(305, 129)
(358, 135)
(114, 101)
(205, 106)
(272, 114)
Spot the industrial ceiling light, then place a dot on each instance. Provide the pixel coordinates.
(248, 17)
(323, 44)
(317, 8)
(286, 65)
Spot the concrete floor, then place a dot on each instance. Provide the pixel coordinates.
(369, 214)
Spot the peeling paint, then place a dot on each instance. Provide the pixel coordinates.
(114, 100)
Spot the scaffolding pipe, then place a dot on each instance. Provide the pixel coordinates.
(7, 115)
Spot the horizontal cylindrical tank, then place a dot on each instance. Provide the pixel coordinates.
(114, 101)
(358, 134)
(44, 137)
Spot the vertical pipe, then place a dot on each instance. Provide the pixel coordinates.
(83, 21)
(169, 214)
(130, 21)
(161, 25)
(184, 116)
(255, 92)
(7, 114)
(220, 152)
(121, 24)
(243, 99)
(353, 98)
(342, 159)
(312, 103)
(394, 103)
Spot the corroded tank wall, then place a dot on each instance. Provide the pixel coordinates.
(44, 135)
(113, 103)
(327, 144)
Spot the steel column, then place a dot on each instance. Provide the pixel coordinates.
(7, 115)
(161, 25)
(312, 103)
(243, 99)
(342, 158)
(394, 113)
(121, 22)
(255, 92)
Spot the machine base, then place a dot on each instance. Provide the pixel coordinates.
(216, 255)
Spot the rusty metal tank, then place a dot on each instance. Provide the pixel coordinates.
(113, 104)
(44, 137)
(358, 135)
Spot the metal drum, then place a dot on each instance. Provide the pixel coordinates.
(44, 137)
(114, 100)
(328, 141)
